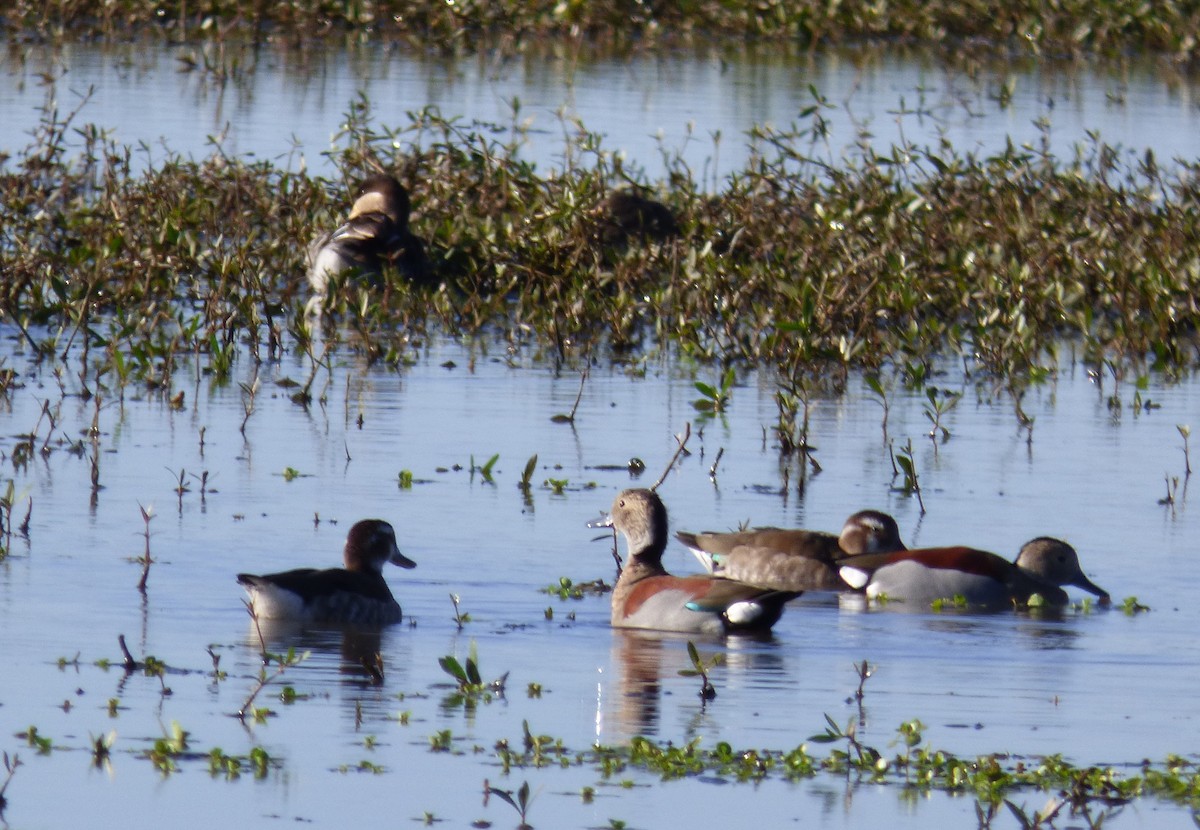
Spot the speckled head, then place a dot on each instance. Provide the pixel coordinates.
(640, 516)
(1055, 562)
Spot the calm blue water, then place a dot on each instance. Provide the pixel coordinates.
(286, 108)
(1007, 683)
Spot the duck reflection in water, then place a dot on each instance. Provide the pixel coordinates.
(647, 667)
(359, 649)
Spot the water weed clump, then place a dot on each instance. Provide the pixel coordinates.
(810, 266)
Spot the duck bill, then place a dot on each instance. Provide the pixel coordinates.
(1092, 588)
(400, 559)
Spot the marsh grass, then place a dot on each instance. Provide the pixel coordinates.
(1070, 27)
(117, 272)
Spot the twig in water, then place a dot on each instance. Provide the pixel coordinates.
(687, 433)
(570, 419)
(130, 665)
(712, 471)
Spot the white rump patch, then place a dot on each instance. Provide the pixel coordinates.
(856, 578)
(743, 613)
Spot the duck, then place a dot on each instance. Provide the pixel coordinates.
(376, 235)
(793, 560)
(646, 596)
(1043, 567)
(356, 593)
(627, 214)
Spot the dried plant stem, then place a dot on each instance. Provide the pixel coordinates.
(687, 433)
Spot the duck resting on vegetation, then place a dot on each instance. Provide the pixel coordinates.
(646, 596)
(919, 577)
(793, 560)
(627, 214)
(375, 236)
(356, 593)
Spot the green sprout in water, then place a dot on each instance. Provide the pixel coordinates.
(526, 481)
(471, 687)
(519, 801)
(700, 668)
(485, 471)
(941, 401)
(460, 618)
(715, 398)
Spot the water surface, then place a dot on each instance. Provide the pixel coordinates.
(286, 106)
(1075, 685)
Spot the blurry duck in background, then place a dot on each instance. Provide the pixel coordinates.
(626, 214)
(376, 236)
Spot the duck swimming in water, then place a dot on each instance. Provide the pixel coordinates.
(646, 596)
(356, 593)
(793, 560)
(982, 579)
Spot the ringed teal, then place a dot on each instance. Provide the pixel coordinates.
(356, 593)
(1043, 566)
(376, 235)
(793, 560)
(646, 596)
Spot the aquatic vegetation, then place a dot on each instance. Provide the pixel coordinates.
(569, 418)
(879, 262)
(1185, 432)
(145, 560)
(519, 800)
(471, 687)
(700, 668)
(567, 588)
(460, 617)
(1070, 28)
(904, 462)
(715, 399)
